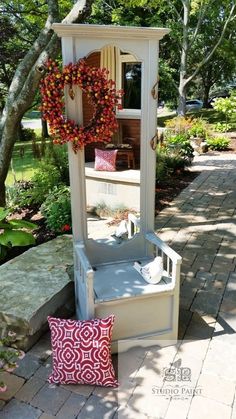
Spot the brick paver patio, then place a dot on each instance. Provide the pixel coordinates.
(201, 225)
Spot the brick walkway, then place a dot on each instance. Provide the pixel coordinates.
(201, 225)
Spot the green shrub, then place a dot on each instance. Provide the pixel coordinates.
(27, 134)
(59, 158)
(222, 127)
(227, 106)
(57, 210)
(12, 232)
(15, 192)
(199, 128)
(178, 125)
(44, 180)
(53, 171)
(218, 143)
(36, 149)
(180, 145)
(167, 165)
(161, 168)
(171, 104)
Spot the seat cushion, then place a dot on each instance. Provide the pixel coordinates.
(105, 160)
(81, 351)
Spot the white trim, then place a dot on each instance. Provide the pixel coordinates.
(106, 31)
(129, 114)
(128, 58)
(126, 113)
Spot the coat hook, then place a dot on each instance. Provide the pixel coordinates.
(71, 93)
(154, 142)
(154, 90)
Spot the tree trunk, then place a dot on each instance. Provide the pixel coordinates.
(183, 62)
(45, 133)
(11, 127)
(26, 80)
(206, 95)
(182, 97)
(184, 80)
(20, 135)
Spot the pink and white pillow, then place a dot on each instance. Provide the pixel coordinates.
(105, 160)
(81, 351)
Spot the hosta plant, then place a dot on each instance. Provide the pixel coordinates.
(218, 143)
(14, 232)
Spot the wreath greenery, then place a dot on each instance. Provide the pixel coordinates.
(101, 93)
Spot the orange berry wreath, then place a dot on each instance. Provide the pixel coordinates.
(101, 93)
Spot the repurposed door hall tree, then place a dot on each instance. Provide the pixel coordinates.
(105, 280)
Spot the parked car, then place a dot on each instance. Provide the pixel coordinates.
(194, 105)
(217, 96)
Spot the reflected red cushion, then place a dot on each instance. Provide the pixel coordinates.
(105, 160)
(81, 351)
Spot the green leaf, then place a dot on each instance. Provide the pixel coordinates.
(22, 224)
(5, 226)
(4, 213)
(3, 252)
(16, 238)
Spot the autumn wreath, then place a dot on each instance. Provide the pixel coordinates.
(101, 93)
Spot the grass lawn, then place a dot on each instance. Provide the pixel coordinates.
(23, 163)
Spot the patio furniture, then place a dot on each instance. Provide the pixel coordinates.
(105, 280)
(124, 150)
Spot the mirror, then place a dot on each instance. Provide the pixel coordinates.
(112, 171)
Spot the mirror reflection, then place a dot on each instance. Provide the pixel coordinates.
(113, 171)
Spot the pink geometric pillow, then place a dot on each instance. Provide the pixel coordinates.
(81, 352)
(105, 160)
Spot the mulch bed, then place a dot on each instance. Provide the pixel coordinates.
(167, 190)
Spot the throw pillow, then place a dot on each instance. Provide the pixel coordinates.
(105, 160)
(81, 351)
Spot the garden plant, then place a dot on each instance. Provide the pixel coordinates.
(12, 232)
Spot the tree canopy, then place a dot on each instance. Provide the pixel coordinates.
(38, 17)
(199, 51)
(202, 32)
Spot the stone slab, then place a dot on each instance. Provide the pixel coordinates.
(95, 408)
(34, 285)
(44, 371)
(27, 366)
(29, 389)
(229, 321)
(42, 350)
(19, 410)
(217, 388)
(199, 327)
(196, 347)
(50, 398)
(80, 389)
(178, 408)
(208, 409)
(2, 404)
(71, 407)
(127, 412)
(206, 302)
(13, 384)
